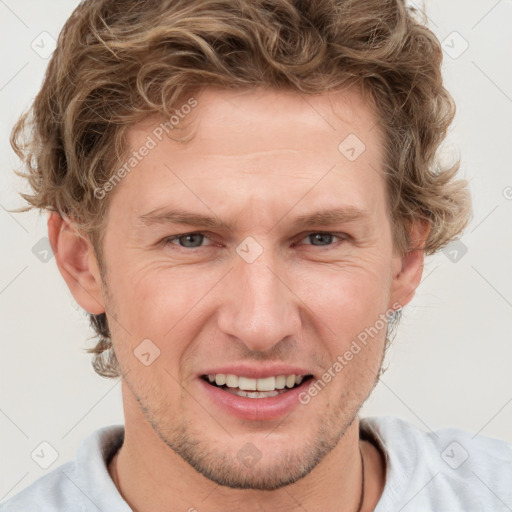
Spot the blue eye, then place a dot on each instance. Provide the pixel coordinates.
(323, 239)
(195, 240)
(188, 240)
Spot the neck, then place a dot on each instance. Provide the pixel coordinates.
(150, 476)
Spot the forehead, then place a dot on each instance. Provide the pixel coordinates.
(243, 121)
(262, 147)
(286, 116)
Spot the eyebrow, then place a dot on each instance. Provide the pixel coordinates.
(333, 216)
(165, 216)
(326, 217)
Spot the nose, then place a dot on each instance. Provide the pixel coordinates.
(261, 308)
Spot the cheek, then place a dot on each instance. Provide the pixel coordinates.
(170, 305)
(158, 301)
(155, 315)
(347, 297)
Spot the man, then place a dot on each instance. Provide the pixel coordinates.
(242, 194)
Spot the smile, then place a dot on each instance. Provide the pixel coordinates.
(255, 388)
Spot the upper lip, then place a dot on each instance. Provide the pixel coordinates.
(257, 372)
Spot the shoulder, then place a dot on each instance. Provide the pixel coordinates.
(49, 493)
(446, 469)
(82, 484)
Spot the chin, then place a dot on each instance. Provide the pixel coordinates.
(263, 463)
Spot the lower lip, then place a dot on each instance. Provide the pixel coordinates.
(255, 409)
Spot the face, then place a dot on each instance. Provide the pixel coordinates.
(255, 252)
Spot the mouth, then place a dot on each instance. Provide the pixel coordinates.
(267, 387)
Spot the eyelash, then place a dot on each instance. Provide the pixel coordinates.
(168, 240)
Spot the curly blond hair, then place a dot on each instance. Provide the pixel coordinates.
(119, 61)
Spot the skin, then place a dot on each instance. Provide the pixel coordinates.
(258, 159)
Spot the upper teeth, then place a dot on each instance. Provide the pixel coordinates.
(247, 384)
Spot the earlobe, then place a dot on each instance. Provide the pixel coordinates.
(77, 263)
(408, 268)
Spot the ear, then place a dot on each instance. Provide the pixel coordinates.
(407, 269)
(77, 263)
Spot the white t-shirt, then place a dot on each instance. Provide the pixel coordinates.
(448, 470)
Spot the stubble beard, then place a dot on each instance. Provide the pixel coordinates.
(273, 471)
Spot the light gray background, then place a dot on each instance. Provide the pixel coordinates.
(451, 361)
